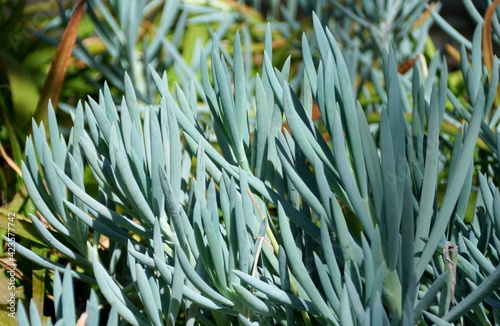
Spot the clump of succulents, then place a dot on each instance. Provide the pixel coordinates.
(252, 208)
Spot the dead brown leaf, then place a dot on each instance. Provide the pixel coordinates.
(486, 41)
(55, 77)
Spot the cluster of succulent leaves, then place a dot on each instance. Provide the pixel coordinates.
(190, 202)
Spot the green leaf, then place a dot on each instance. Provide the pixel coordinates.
(115, 297)
(373, 168)
(100, 208)
(92, 309)
(240, 96)
(326, 283)
(347, 177)
(166, 274)
(40, 202)
(176, 294)
(197, 281)
(168, 18)
(429, 185)
(240, 228)
(68, 301)
(478, 258)
(391, 213)
(299, 184)
(215, 243)
(54, 186)
(128, 181)
(429, 296)
(308, 63)
(44, 262)
(299, 270)
(276, 294)
(254, 304)
(148, 296)
(455, 183)
(354, 299)
(22, 316)
(56, 244)
(34, 316)
(436, 320)
(346, 317)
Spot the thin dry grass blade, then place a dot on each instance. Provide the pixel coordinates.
(487, 42)
(425, 16)
(452, 51)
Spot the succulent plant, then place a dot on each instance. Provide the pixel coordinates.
(263, 215)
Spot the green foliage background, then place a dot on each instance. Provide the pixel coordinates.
(227, 170)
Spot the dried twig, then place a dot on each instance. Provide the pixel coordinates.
(450, 257)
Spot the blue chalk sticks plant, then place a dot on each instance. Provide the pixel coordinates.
(332, 190)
